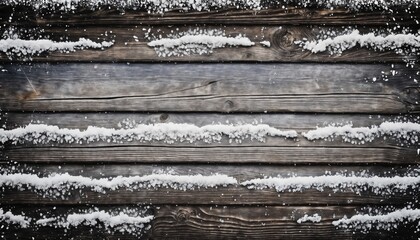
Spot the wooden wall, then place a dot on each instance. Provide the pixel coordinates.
(282, 86)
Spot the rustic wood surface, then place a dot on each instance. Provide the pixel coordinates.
(217, 88)
(282, 86)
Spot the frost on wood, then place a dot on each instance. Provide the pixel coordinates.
(197, 41)
(407, 131)
(306, 218)
(338, 44)
(60, 184)
(11, 218)
(387, 221)
(166, 132)
(378, 185)
(161, 6)
(130, 220)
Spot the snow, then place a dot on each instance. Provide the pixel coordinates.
(108, 220)
(20, 47)
(121, 221)
(379, 185)
(166, 132)
(63, 182)
(405, 130)
(162, 6)
(266, 43)
(386, 221)
(9, 217)
(338, 44)
(196, 41)
(306, 218)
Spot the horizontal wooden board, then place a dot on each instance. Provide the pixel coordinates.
(198, 222)
(210, 88)
(283, 48)
(231, 195)
(227, 16)
(211, 222)
(273, 150)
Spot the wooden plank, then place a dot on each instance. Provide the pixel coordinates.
(274, 150)
(212, 222)
(230, 195)
(248, 154)
(283, 47)
(227, 16)
(218, 88)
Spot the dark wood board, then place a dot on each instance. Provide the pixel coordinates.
(229, 195)
(283, 47)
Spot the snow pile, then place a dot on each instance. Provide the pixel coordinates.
(59, 184)
(387, 221)
(121, 222)
(197, 41)
(161, 6)
(166, 132)
(125, 221)
(344, 42)
(314, 218)
(407, 131)
(24, 48)
(378, 185)
(10, 218)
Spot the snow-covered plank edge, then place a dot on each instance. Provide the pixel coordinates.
(185, 5)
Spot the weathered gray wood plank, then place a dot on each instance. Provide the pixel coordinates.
(214, 154)
(231, 195)
(283, 47)
(209, 88)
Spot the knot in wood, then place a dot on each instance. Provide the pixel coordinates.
(164, 117)
(228, 105)
(183, 215)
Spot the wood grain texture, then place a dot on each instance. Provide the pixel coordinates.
(230, 195)
(344, 88)
(128, 49)
(272, 222)
(227, 16)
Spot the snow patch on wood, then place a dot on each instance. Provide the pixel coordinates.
(11, 218)
(379, 185)
(27, 48)
(133, 221)
(60, 184)
(338, 44)
(388, 221)
(166, 132)
(196, 41)
(306, 218)
(408, 131)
